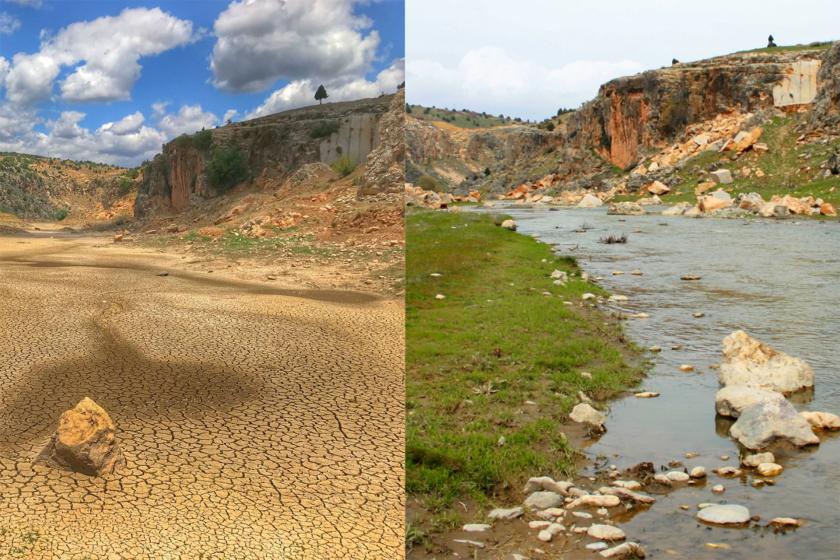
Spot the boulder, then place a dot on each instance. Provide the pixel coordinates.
(769, 422)
(625, 209)
(704, 187)
(590, 201)
(822, 420)
(752, 202)
(748, 361)
(543, 500)
(744, 140)
(714, 201)
(677, 209)
(658, 188)
(649, 201)
(826, 209)
(509, 224)
(769, 469)
(733, 399)
(722, 176)
(584, 413)
(85, 442)
(724, 514)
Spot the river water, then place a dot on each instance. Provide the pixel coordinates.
(777, 280)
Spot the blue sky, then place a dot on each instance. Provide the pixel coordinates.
(531, 57)
(110, 80)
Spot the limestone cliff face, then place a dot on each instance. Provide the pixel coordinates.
(647, 110)
(826, 111)
(385, 164)
(273, 147)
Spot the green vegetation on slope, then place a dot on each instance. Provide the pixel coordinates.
(474, 358)
(821, 46)
(463, 118)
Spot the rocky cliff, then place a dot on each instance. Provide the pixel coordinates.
(648, 110)
(266, 151)
(660, 118)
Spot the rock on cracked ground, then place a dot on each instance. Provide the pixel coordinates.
(256, 422)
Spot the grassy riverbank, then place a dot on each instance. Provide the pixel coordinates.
(496, 358)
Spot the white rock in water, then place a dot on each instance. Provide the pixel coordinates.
(728, 471)
(677, 476)
(509, 224)
(822, 420)
(605, 532)
(624, 550)
(537, 524)
(733, 399)
(748, 361)
(625, 209)
(767, 422)
(726, 514)
(596, 546)
(627, 494)
(543, 500)
(583, 413)
(758, 458)
(662, 479)
(501, 513)
(476, 527)
(769, 469)
(718, 489)
(698, 472)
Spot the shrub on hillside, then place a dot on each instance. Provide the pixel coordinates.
(344, 166)
(203, 139)
(324, 129)
(226, 168)
(427, 182)
(60, 214)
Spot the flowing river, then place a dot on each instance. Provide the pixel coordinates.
(778, 281)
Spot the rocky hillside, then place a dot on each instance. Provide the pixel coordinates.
(265, 152)
(35, 187)
(674, 125)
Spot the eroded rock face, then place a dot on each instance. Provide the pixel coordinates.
(748, 361)
(385, 166)
(84, 442)
(769, 422)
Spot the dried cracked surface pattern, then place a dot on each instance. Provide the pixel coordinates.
(255, 422)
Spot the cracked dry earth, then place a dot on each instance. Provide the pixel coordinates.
(256, 422)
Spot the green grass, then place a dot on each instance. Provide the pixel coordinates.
(494, 342)
(789, 168)
(790, 48)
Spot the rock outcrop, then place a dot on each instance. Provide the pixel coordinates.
(273, 147)
(85, 442)
(385, 164)
(633, 113)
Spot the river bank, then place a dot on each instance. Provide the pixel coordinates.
(774, 279)
(497, 354)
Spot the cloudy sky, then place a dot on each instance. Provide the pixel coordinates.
(110, 80)
(528, 58)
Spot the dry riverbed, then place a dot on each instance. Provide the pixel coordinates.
(258, 418)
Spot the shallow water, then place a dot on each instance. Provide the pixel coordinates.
(780, 282)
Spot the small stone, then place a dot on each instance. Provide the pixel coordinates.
(698, 472)
(725, 514)
(538, 524)
(822, 420)
(698, 315)
(476, 527)
(596, 546)
(686, 368)
(584, 413)
(646, 395)
(505, 514)
(728, 471)
(543, 500)
(163, 274)
(718, 489)
(785, 522)
(605, 532)
(626, 550)
(440, 296)
(655, 349)
(587, 296)
(758, 458)
(769, 469)
(636, 272)
(677, 476)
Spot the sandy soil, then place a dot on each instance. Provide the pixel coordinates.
(259, 419)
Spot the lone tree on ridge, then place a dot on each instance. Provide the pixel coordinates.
(321, 94)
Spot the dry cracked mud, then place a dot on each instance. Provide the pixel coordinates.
(256, 421)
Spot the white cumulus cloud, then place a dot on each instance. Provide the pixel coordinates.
(301, 93)
(8, 23)
(261, 41)
(104, 54)
(489, 79)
